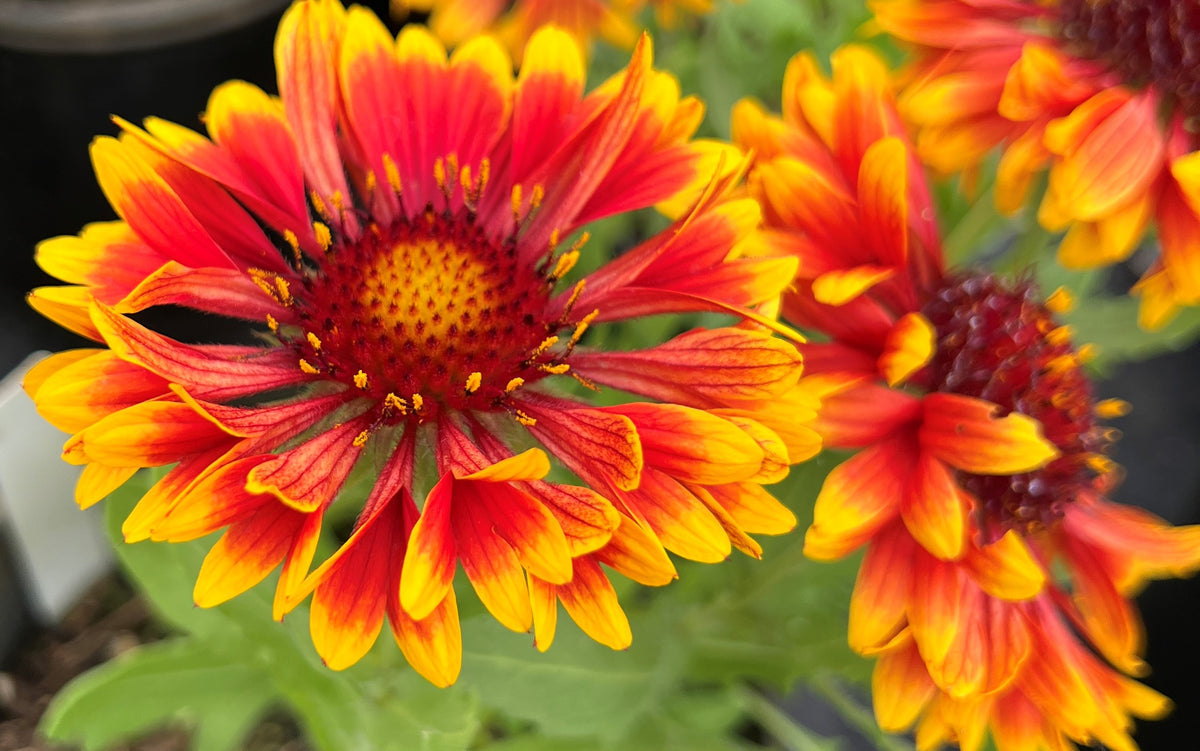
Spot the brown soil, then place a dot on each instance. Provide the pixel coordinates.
(107, 621)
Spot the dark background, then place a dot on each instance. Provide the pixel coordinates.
(55, 102)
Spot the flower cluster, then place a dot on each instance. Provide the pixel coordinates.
(1103, 95)
(400, 231)
(398, 226)
(614, 21)
(995, 586)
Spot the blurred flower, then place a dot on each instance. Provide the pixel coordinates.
(996, 569)
(396, 224)
(1102, 94)
(614, 21)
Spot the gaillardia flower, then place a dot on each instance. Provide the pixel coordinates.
(1102, 93)
(996, 582)
(614, 21)
(396, 227)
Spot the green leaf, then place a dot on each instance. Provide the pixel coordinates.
(577, 688)
(381, 704)
(173, 681)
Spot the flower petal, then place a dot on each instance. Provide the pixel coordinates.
(968, 434)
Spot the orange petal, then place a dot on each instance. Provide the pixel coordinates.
(310, 475)
(864, 415)
(901, 688)
(246, 554)
(586, 518)
(968, 434)
(684, 525)
(549, 85)
(883, 200)
(753, 508)
(97, 481)
(691, 444)
(492, 566)
(909, 347)
(522, 522)
(149, 434)
(737, 536)
(543, 598)
(307, 47)
(839, 286)
(878, 607)
(432, 645)
(348, 605)
(636, 553)
(721, 364)
(598, 446)
(153, 210)
(1110, 149)
(1006, 568)
(1109, 620)
(429, 560)
(935, 509)
(591, 602)
(1152, 547)
(859, 496)
(88, 386)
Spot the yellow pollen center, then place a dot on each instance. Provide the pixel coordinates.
(431, 308)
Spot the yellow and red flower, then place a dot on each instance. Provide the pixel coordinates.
(996, 582)
(1101, 93)
(396, 223)
(614, 21)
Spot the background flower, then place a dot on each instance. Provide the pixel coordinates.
(1102, 95)
(980, 482)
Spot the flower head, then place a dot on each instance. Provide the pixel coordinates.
(397, 228)
(614, 21)
(1103, 95)
(996, 583)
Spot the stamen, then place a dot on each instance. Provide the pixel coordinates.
(516, 203)
(319, 205)
(524, 419)
(535, 200)
(513, 385)
(395, 404)
(339, 203)
(575, 293)
(418, 403)
(361, 380)
(1110, 408)
(485, 171)
(1060, 336)
(306, 367)
(272, 324)
(473, 382)
(371, 182)
(1087, 353)
(1101, 464)
(361, 439)
(324, 236)
(540, 350)
(555, 369)
(294, 243)
(392, 173)
(1060, 301)
(580, 328)
(587, 383)
(439, 173)
(314, 340)
(285, 295)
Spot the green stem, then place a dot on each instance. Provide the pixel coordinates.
(857, 715)
(777, 723)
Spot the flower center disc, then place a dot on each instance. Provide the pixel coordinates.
(430, 307)
(1000, 343)
(1145, 42)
